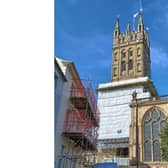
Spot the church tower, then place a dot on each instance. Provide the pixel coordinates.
(130, 72)
(131, 53)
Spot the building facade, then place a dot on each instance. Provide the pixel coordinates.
(77, 122)
(148, 118)
(60, 105)
(59, 83)
(130, 73)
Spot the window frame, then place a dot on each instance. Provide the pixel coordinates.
(130, 64)
(152, 140)
(123, 54)
(123, 66)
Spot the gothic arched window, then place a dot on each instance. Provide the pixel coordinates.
(130, 52)
(123, 66)
(154, 121)
(123, 54)
(130, 64)
(116, 33)
(140, 28)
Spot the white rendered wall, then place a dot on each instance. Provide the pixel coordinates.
(61, 102)
(115, 113)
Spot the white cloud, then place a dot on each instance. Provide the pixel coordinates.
(159, 57)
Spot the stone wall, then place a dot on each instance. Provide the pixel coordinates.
(142, 108)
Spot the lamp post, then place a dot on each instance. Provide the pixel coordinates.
(134, 95)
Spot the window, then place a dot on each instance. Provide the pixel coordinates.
(147, 147)
(123, 54)
(153, 123)
(130, 65)
(116, 33)
(130, 62)
(138, 52)
(123, 66)
(122, 152)
(156, 151)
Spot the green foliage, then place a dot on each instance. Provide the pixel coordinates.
(164, 143)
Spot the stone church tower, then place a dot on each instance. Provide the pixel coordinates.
(130, 72)
(131, 53)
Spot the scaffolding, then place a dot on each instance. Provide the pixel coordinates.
(81, 122)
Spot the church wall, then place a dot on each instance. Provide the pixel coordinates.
(162, 105)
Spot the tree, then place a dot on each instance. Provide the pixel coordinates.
(164, 143)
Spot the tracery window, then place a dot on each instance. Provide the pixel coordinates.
(153, 123)
(115, 71)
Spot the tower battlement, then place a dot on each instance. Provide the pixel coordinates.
(131, 38)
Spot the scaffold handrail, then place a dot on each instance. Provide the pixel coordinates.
(83, 88)
(80, 127)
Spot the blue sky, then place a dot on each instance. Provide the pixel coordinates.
(84, 31)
